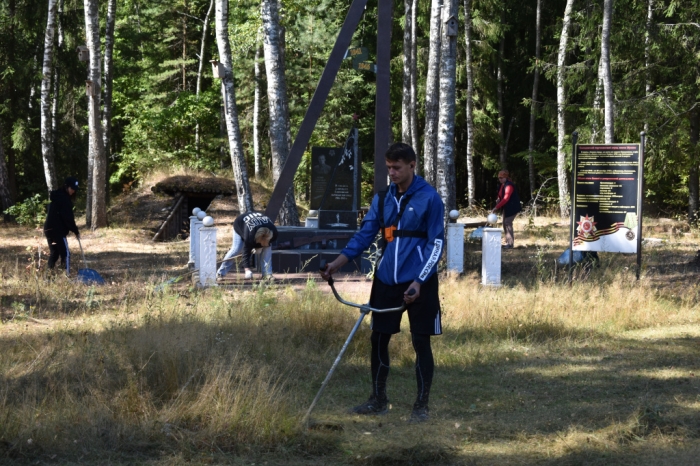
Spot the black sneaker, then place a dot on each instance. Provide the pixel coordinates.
(420, 413)
(372, 406)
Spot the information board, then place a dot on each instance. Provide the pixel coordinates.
(606, 207)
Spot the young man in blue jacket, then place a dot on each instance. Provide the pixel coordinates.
(414, 233)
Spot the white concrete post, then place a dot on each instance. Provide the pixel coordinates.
(207, 250)
(190, 263)
(455, 244)
(491, 257)
(312, 219)
(195, 233)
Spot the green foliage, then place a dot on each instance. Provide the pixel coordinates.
(156, 110)
(22, 135)
(30, 212)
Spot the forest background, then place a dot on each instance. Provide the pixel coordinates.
(526, 77)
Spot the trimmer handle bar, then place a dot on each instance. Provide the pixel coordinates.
(364, 308)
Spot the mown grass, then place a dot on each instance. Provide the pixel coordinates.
(604, 371)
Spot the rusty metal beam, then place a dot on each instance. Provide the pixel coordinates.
(315, 107)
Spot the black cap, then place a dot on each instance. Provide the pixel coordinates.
(72, 183)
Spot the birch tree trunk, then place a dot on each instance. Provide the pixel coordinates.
(413, 110)
(183, 67)
(647, 55)
(257, 156)
(46, 126)
(228, 94)
(533, 105)
(446, 179)
(499, 103)
(277, 103)
(470, 101)
(562, 175)
(597, 101)
(56, 78)
(107, 96)
(88, 185)
(432, 95)
(205, 29)
(98, 206)
(607, 72)
(223, 134)
(6, 200)
(406, 91)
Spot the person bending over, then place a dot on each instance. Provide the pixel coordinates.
(59, 222)
(410, 215)
(251, 231)
(509, 201)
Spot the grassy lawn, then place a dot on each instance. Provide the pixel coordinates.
(605, 371)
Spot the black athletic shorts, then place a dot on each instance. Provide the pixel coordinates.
(423, 313)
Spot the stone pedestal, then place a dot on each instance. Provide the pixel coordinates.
(190, 262)
(194, 232)
(311, 222)
(207, 256)
(337, 219)
(491, 257)
(455, 247)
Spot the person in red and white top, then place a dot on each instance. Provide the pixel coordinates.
(509, 201)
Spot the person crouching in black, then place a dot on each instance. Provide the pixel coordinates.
(59, 222)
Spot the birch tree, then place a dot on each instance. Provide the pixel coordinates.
(108, 69)
(228, 94)
(561, 109)
(597, 102)
(257, 156)
(607, 73)
(432, 94)
(413, 110)
(469, 101)
(198, 89)
(446, 177)
(407, 66)
(280, 139)
(647, 55)
(533, 103)
(46, 126)
(98, 205)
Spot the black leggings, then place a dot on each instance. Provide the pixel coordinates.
(425, 365)
(58, 248)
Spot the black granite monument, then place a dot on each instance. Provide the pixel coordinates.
(335, 184)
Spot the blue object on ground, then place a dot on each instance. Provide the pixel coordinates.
(579, 257)
(477, 234)
(90, 277)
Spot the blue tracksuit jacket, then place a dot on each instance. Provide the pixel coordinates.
(405, 259)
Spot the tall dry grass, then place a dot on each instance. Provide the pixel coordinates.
(178, 373)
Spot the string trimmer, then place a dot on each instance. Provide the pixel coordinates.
(364, 310)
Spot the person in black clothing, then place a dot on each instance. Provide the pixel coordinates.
(251, 230)
(59, 222)
(509, 201)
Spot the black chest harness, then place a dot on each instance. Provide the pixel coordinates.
(390, 232)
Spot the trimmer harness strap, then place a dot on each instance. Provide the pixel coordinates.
(390, 232)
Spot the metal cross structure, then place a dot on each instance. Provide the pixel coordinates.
(382, 124)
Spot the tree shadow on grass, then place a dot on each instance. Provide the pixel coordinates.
(631, 397)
